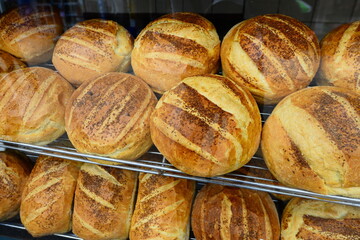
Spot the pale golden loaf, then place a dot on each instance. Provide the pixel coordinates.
(226, 213)
(206, 126)
(46, 204)
(109, 116)
(9, 63)
(30, 32)
(163, 208)
(14, 172)
(92, 48)
(173, 47)
(271, 55)
(340, 62)
(312, 141)
(311, 219)
(104, 202)
(32, 105)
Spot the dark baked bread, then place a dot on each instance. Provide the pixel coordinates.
(271, 55)
(206, 126)
(173, 47)
(227, 213)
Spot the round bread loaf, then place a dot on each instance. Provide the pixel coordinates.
(206, 126)
(340, 61)
(9, 63)
(32, 105)
(221, 212)
(312, 141)
(109, 116)
(92, 48)
(14, 172)
(271, 55)
(173, 47)
(30, 33)
(311, 219)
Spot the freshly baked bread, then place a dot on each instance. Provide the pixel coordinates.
(104, 202)
(32, 105)
(46, 204)
(312, 141)
(9, 63)
(30, 32)
(173, 47)
(258, 172)
(271, 55)
(163, 208)
(92, 48)
(206, 126)
(109, 116)
(311, 219)
(14, 172)
(340, 62)
(221, 212)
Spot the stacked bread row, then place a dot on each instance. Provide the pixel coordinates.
(98, 202)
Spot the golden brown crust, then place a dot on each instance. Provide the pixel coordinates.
(9, 63)
(109, 116)
(30, 33)
(340, 62)
(104, 202)
(271, 55)
(162, 208)
(173, 47)
(14, 172)
(206, 126)
(311, 141)
(46, 204)
(311, 219)
(221, 212)
(32, 104)
(92, 48)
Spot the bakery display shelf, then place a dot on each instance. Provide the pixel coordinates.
(153, 162)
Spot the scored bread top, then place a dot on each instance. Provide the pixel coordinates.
(311, 219)
(32, 102)
(173, 47)
(272, 55)
(222, 212)
(109, 116)
(91, 48)
(30, 32)
(207, 125)
(340, 62)
(312, 141)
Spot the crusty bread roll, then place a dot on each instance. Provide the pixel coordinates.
(104, 202)
(312, 141)
(14, 172)
(271, 55)
(162, 208)
(92, 48)
(221, 212)
(46, 204)
(340, 62)
(173, 47)
(206, 126)
(32, 105)
(30, 32)
(9, 63)
(109, 116)
(311, 219)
